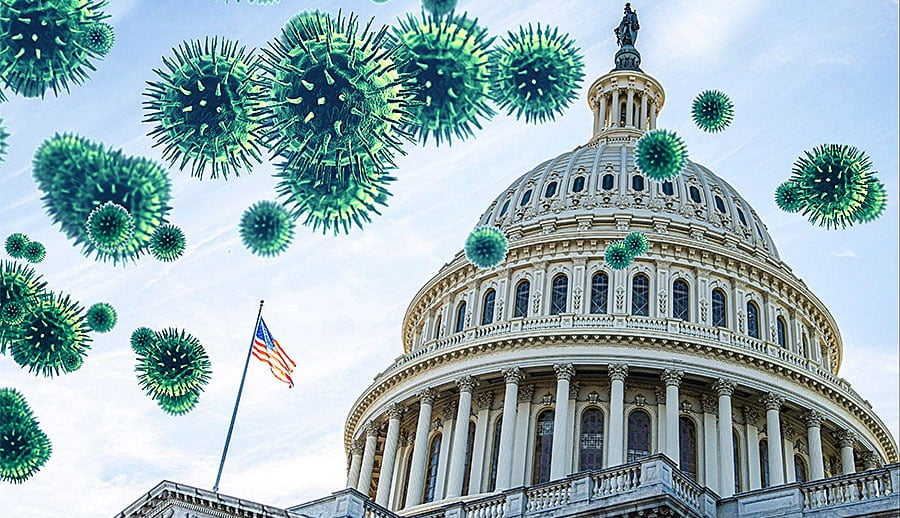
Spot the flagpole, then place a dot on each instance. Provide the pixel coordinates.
(238, 400)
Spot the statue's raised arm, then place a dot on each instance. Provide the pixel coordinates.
(626, 32)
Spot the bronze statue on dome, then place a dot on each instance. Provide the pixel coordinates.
(626, 32)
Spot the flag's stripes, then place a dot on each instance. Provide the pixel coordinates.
(267, 350)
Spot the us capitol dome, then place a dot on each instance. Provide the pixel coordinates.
(701, 380)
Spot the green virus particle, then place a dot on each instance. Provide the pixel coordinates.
(98, 38)
(712, 111)
(660, 154)
(35, 252)
(833, 180)
(439, 7)
(109, 226)
(13, 406)
(167, 243)
(178, 405)
(4, 137)
(142, 339)
(537, 73)
(617, 256)
(486, 247)
(16, 244)
(789, 196)
(174, 365)
(19, 284)
(267, 228)
(101, 317)
(51, 332)
(335, 205)
(448, 59)
(636, 243)
(204, 108)
(24, 448)
(12, 313)
(71, 361)
(873, 205)
(40, 49)
(77, 175)
(335, 100)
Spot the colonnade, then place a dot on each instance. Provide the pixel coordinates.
(608, 110)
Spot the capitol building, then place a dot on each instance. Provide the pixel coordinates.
(700, 381)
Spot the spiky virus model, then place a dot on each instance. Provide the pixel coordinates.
(142, 338)
(267, 228)
(617, 255)
(12, 313)
(19, 284)
(172, 367)
(178, 405)
(486, 247)
(204, 108)
(24, 447)
(660, 154)
(537, 73)
(636, 243)
(16, 244)
(77, 175)
(332, 205)
(833, 180)
(712, 111)
(448, 59)
(35, 252)
(167, 243)
(789, 196)
(334, 99)
(439, 7)
(98, 38)
(101, 317)
(109, 226)
(40, 46)
(51, 333)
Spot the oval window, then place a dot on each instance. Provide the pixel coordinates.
(637, 182)
(607, 182)
(695, 194)
(525, 198)
(504, 209)
(720, 205)
(551, 190)
(578, 184)
(667, 188)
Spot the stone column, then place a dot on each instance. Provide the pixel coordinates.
(420, 449)
(466, 385)
(846, 439)
(813, 422)
(508, 427)
(383, 492)
(480, 447)
(356, 454)
(773, 403)
(711, 469)
(449, 418)
(368, 460)
(725, 388)
(523, 425)
(642, 123)
(653, 115)
(672, 379)
(751, 422)
(561, 426)
(616, 442)
(629, 108)
(601, 119)
(570, 444)
(614, 122)
(788, 433)
(660, 420)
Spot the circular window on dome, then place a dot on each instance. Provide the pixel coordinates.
(551, 190)
(695, 194)
(578, 184)
(525, 198)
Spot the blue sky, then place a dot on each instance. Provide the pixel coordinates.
(800, 73)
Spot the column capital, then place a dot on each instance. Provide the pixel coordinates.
(812, 419)
(660, 396)
(751, 416)
(709, 404)
(618, 371)
(772, 401)
(466, 384)
(846, 438)
(672, 377)
(427, 396)
(357, 447)
(372, 428)
(485, 400)
(564, 371)
(526, 393)
(724, 387)
(871, 460)
(513, 375)
(395, 410)
(573, 390)
(407, 438)
(449, 412)
(788, 431)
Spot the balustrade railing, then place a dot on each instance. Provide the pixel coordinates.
(487, 508)
(373, 510)
(686, 489)
(860, 487)
(548, 496)
(615, 482)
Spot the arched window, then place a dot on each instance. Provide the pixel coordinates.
(718, 309)
(525, 198)
(599, 292)
(799, 469)
(578, 184)
(667, 188)
(637, 182)
(504, 209)
(523, 290)
(736, 442)
(607, 182)
(720, 205)
(781, 331)
(695, 194)
(591, 447)
(543, 448)
(559, 294)
(764, 463)
(431, 472)
(640, 295)
(467, 473)
(550, 190)
(638, 435)
(461, 317)
(680, 300)
(487, 307)
(687, 443)
(752, 319)
(437, 327)
(495, 453)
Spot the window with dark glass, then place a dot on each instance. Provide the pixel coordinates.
(781, 331)
(461, 317)
(680, 300)
(525, 198)
(550, 190)
(640, 295)
(437, 327)
(637, 182)
(523, 290)
(758, 231)
(799, 469)
(467, 473)
(667, 188)
(805, 343)
(599, 292)
(495, 454)
(736, 443)
(578, 184)
(591, 445)
(504, 209)
(405, 487)
(695, 194)
(638, 435)
(720, 205)
(741, 217)
(559, 294)
(764, 463)
(687, 443)
(543, 448)
(607, 183)
(752, 320)
(431, 471)
(487, 308)
(718, 308)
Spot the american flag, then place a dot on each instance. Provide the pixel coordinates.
(267, 350)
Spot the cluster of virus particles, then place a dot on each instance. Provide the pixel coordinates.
(24, 447)
(172, 367)
(620, 254)
(19, 246)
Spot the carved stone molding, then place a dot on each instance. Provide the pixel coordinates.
(724, 387)
(593, 397)
(513, 375)
(660, 396)
(466, 384)
(618, 371)
(427, 396)
(772, 401)
(788, 431)
(547, 399)
(640, 400)
(751, 416)
(871, 460)
(846, 438)
(672, 377)
(526, 393)
(564, 371)
(449, 411)
(485, 400)
(709, 404)
(395, 411)
(812, 419)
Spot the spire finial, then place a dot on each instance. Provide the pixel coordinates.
(628, 58)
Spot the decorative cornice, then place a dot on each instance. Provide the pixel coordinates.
(772, 401)
(617, 371)
(672, 377)
(564, 371)
(724, 387)
(513, 375)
